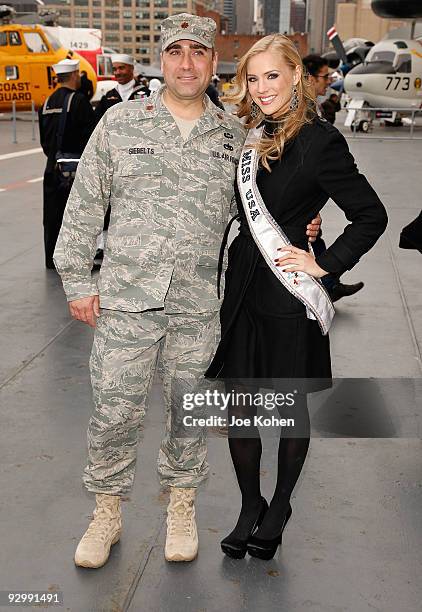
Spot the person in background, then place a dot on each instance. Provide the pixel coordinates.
(154, 85)
(411, 235)
(126, 89)
(86, 87)
(213, 93)
(330, 107)
(319, 78)
(80, 123)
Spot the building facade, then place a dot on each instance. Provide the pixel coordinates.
(128, 26)
(298, 16)
(231, 48)
(357, 19)
(320, 17)
(245, 14)
(259, 28)
(271, 16)
(229, 11)
(284, 18)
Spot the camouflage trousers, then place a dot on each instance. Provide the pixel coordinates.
(127, 349)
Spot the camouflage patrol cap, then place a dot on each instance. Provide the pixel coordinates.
(188, 27)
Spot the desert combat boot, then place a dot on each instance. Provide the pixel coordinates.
(182, 535)
(104, 530)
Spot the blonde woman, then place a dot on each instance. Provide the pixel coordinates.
(276, 314)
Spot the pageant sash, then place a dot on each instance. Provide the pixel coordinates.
(269, 236)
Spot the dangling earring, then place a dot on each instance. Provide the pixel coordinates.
(294, 101)
(255, 111)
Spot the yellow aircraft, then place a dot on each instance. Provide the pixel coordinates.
(27, 53)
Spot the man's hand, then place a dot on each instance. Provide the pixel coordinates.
(312, 230)
(86, 309)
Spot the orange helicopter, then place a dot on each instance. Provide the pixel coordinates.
(27, 53)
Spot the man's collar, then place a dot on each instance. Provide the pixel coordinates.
(212, 117)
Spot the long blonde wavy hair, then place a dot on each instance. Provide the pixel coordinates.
(270, 147)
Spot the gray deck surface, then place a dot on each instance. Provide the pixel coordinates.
(354, 541)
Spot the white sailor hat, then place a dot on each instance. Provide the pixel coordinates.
(154, 84)
(65, 66)
(122, 58)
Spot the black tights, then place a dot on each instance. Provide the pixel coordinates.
(246, 449)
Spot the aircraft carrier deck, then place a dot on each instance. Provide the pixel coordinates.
(355, 539)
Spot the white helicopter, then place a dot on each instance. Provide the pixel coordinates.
(391, 74)
(390, 77)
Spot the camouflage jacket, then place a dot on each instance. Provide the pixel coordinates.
(170, 201)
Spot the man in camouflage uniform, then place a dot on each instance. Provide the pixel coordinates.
(156, 296)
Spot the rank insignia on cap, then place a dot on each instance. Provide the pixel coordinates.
(150, 107)
(185, 26)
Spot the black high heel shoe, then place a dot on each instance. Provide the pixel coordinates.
(235, 547)
(266, 549)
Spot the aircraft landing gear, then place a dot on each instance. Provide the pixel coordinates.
(363, 125)
(396, 123)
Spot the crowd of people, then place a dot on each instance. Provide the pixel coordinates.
(166, 169)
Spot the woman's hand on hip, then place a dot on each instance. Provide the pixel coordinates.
(293, 259)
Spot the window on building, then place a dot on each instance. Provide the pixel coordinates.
(127, 14)
(127, 39)
(35, 43)
(64, 12)
(145, 37)
(96, 2)
(161, 3)
(143, 15)
(179, 4)
(96, 24)
(157, 38)
(144, 60)
(112, 25)
(142, 3)
(79, 2)
(111, 3)
(236, 44)
(127, 27)
(143, 50)
(160, 15)
(96, 15)
(112, 14)
(127, 50)
(127, 2)
(83, 14)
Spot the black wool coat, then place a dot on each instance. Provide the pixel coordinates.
(315, 166)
